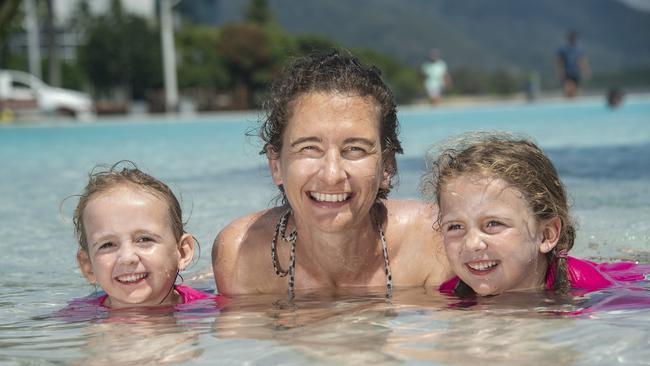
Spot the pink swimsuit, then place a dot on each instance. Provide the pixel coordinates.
(586, 275)
(89, 308)
(188, 295)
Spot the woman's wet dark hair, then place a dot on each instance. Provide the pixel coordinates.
(332, 72)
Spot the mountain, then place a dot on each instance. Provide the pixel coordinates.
(506, 34)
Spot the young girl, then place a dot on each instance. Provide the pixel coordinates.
(505, 221)
(131, 240)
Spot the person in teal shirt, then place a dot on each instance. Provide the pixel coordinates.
(436, 76)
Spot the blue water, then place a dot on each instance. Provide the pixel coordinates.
(602, 155)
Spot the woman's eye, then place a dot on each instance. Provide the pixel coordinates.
(354, 152)
(106, 245)
(452, 227)
(493, 223)
(309, 148)
(144, 239)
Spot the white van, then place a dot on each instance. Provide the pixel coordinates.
(20, 91)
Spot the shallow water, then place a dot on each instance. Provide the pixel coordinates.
(602, 155)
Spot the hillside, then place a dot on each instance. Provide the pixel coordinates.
(513, 34)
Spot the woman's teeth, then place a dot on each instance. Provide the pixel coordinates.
(326, 197)
(482, 266)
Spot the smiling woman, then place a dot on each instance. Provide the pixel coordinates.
(330, 138)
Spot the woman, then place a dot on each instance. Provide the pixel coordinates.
(330, 138)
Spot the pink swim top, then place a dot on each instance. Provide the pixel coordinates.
(585, 275)
(188, 296)
(192, 300)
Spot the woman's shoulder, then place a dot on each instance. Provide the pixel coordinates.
(415, 243)
(411, 213)
(238, 255)
(247, 228)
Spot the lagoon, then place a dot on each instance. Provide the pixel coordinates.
(602, 155)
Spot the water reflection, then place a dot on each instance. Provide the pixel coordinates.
(335, 327)
(349, 327)
(138, 338)
(415, 324)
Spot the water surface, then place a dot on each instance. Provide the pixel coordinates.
(602, 155)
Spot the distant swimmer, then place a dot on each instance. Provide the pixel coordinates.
(615, 97)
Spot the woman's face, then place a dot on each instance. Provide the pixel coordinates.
(330, 164)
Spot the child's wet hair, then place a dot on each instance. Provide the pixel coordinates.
(125, 173)
(518, 161)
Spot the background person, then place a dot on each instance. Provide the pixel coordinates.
(572, 65)
(436, 76)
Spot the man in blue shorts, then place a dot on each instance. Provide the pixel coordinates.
(572, 65)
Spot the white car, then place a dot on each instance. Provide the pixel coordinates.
(22, 91)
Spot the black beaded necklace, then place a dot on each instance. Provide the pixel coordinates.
(280, 231)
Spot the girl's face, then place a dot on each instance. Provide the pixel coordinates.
(331, 163)
(493, 241)
(132, 252)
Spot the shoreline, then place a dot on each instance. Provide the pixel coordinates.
(447, 103)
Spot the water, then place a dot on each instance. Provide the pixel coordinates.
(602, 155)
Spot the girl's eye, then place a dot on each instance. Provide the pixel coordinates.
(494, 226)
(144, 239)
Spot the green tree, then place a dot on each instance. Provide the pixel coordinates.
(258, 12)
(200, 65)
(8, 10)
(122, 52)
(11, 19)
(306, 44)
(403, 80)
(246, 51)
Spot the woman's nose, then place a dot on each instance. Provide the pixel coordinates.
(333, 170)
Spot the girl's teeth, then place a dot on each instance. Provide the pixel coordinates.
(482, 266)
(133, 277)
(326, 197)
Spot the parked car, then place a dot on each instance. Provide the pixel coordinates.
(20, 91)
